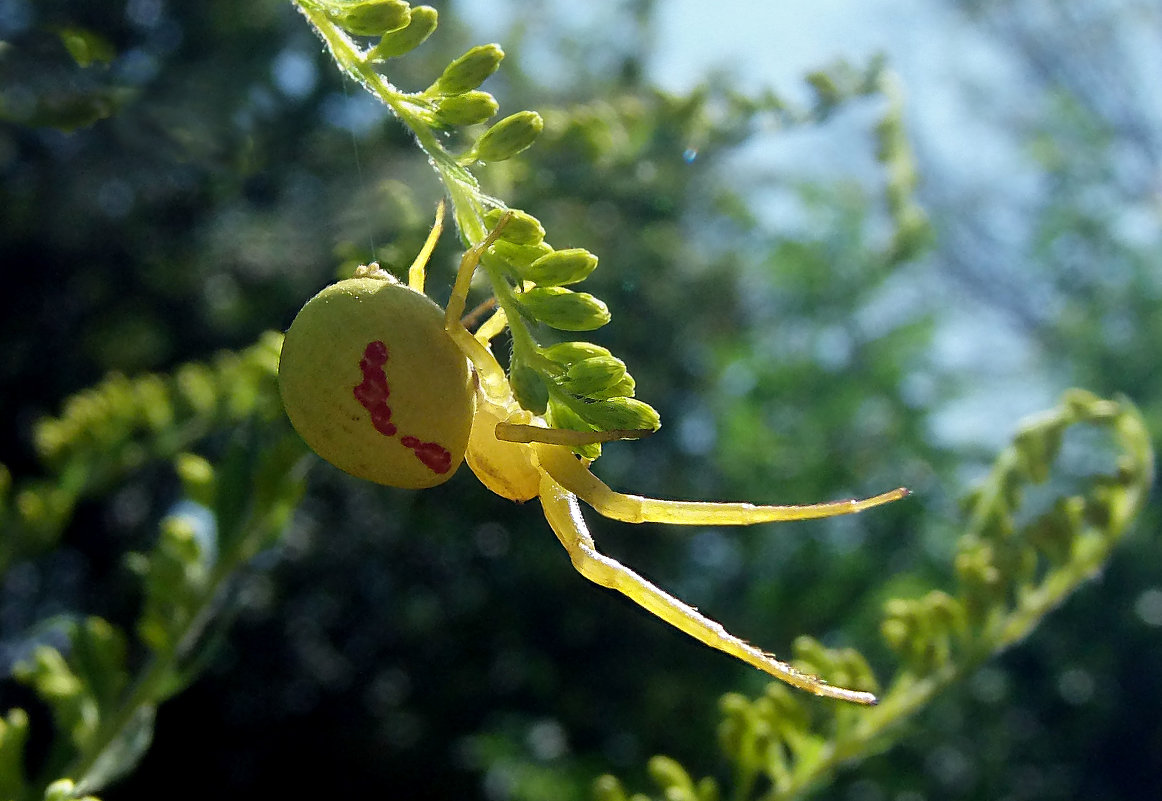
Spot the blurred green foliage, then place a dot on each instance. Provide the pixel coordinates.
(1012, 568)
(176, 179)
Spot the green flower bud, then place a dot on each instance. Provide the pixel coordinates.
(561, 267)
(373, 17)
(608, 788)
(622, 413)
(896, 633)
(827, 92)
(196, 387)
(469, 71)
(593, 375)
(32, 507)
(522, 228)
(564, 309)
(946, 612)
(625, 388)
(562, 416)
(912, 235)
(981, 579)
(13, 736)
(809, 651)
(60, 790)
(86, 47)
(529, 388)
(466, 109)
(509, 136)
(197, 475)
(396, 43)
(520, 257)
(569, 352)
(669, 774)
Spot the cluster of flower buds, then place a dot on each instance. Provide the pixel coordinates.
(671, 778)
(778, 734)
(925, 631)
(578, 385)
(454, 99)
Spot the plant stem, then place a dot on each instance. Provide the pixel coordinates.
(910, 693)
(469, 202)
(154, 683)
(412, 110)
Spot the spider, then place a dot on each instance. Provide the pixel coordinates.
(384, 384)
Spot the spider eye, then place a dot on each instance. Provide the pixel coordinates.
(375, 386)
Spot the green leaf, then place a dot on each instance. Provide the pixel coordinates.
(13, 736)
(86, 47)
(529, 388)
(121, 755)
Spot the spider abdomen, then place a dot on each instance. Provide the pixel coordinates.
(374, 384)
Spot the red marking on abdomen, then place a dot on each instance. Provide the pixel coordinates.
(430, 453)
(373, 393)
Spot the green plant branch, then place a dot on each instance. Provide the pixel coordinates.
(104, 718)
(1091, 549)
(1010, 577)
(155, 683)
(415, 111)
(109, 430)
(527, 276)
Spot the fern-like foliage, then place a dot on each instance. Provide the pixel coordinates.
(1019, 558)
(106, 432)
(103, 701)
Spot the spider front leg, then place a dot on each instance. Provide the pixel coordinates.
(564, 516)
(575, 476)
(417, 273)
(490, 373)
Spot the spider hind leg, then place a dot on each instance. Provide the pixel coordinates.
(564, 516)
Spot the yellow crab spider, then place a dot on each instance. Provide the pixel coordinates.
(387, 386)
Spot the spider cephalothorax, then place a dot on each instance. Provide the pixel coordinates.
(387, 386)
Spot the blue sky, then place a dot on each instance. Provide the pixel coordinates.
(964, 97)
